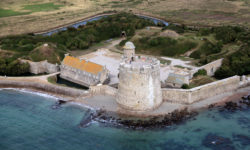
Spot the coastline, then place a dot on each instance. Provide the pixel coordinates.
(85, 99)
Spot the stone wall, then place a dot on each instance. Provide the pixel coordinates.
(103, 90)
(212, 66)
(244, 81)
(202, 92)
(41, 67)
(50, 88)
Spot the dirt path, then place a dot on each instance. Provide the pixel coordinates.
(41, 79)
(109, 44)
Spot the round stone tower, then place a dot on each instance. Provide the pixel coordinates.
(139, 86)
(129, 50)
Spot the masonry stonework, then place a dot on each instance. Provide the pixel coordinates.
(139, 85)
(41, 67)
(202, 92)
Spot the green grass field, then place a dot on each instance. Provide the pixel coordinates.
(28, 9)
(8, 13)
(42, 7)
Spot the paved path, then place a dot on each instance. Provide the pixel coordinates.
(40, 79)
(179, 62)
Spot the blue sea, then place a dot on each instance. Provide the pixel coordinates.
(28, 122)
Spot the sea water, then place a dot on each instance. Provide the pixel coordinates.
(28, 122)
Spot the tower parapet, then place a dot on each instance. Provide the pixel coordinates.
(139, 86)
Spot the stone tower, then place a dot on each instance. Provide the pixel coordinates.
(139, 86)
(129, 50)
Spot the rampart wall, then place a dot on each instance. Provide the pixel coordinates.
(103, 89)
(49, 88)
(212, 66)
(188, 96)
(41, 67)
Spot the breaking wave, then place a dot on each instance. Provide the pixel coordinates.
(31, 92)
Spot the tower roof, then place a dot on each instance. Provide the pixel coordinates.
(129, 45)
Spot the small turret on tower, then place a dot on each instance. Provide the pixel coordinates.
(129, 51)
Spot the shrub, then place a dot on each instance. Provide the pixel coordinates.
(185, 86)
(204, 31)
(176, 28)
(196, 54)
(200, 72)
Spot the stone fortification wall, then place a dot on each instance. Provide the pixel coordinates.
(139, 87)
(41, 67)
(202, 92)
(244, 81)
(103, 89)
(212, 66)
(50, 88)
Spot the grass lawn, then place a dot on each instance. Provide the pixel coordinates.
(42, 7)
(8, 13)
(201, 80)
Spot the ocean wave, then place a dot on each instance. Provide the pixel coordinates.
(31, 92)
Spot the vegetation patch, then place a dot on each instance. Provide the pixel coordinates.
(42, 7)
(50, 53)
(8, 13)
(52, 79)
(200, 72)
(164, 45)
(13, 68)
(198, 81)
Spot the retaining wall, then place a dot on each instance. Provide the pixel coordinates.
(103, 89)
(212, 66)
(202, 92)
(41, 67)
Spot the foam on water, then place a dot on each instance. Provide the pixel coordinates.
(31, 92)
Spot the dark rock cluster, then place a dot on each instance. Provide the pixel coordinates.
(243, 103)
(246, 100)
(216, 142)
(154, 122)
(58, 104)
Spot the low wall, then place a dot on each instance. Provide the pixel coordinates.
(41, 67)
(103, 89)
(49, 88)
(212, 66)
(202, 92)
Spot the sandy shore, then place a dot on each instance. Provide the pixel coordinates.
(83, 98)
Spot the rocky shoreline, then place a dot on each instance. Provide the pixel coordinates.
(176, 117)
(112, 119)
(118, 118)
